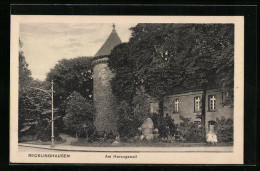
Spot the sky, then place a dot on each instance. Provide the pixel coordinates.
(44, 44)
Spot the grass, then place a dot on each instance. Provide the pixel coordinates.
(44, 142)
(83, 142)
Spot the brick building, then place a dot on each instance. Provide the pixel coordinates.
(188, 105)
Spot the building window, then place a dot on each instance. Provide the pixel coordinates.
(176, 105)
(197, 103)
(212, 102)
(224, 95)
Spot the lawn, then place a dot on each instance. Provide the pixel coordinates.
(83, 142)
(43, 142)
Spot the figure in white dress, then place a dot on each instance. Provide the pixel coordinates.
(211, 136)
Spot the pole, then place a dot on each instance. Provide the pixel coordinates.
(52, 121)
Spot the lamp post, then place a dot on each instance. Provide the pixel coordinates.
(52, 121)
(52, 111)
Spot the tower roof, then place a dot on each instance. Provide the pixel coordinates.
(112, 41)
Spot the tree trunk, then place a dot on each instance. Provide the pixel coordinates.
(87, 134)
(76, 135)
(203, 114)
(161, 106)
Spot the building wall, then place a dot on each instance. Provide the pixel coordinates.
(186, 106)
(104, 100)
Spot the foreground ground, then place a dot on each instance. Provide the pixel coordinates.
(82, 145)
(46, 148)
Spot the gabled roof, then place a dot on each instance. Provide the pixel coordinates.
(112, 41)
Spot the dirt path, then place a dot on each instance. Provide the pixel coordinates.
(68, 139)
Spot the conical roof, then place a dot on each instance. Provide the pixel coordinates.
(112, 41)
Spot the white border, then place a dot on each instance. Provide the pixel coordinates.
(236, 157)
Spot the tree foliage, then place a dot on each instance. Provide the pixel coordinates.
(35, 112)
(164, 57)
(190, 131)
(169, 58)
(141, 106)
(79, 113)
(71, 75)
(34, 105)
(224, 129)
(127, 125)
(24, 73)
(124, 82)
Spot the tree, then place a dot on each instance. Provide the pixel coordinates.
(24, 73)
(153, 52)
(27, 117)
(149, 61)
(176, 57)
(168, 58)
(35, 112)
(79, 114)
(70, 75)
(124, 82)
(127, 125)
(141, 106)
(34, 106)
(207, 62)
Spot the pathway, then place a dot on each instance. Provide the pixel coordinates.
(68, 139)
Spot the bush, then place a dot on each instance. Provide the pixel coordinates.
(124, 139)
(101, 137)
(127, 124)
(190, 131)
(167, 126)
(224, 129)
(141, 105)
(44, 131)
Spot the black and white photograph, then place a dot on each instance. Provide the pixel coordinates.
(125, 89)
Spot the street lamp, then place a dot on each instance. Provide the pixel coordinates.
(52, 119)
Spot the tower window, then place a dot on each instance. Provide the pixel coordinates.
(197, 103)
(176, 105)
(212, 102)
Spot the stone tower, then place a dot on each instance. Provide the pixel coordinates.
(104, 100)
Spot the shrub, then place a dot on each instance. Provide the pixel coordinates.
(167, 127)
(110, 135)
(224, 129)
(44, 131)
(190, 131)
(127, 124)
(141, 105)
(124, 139)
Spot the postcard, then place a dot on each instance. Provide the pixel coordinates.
(127, 89)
